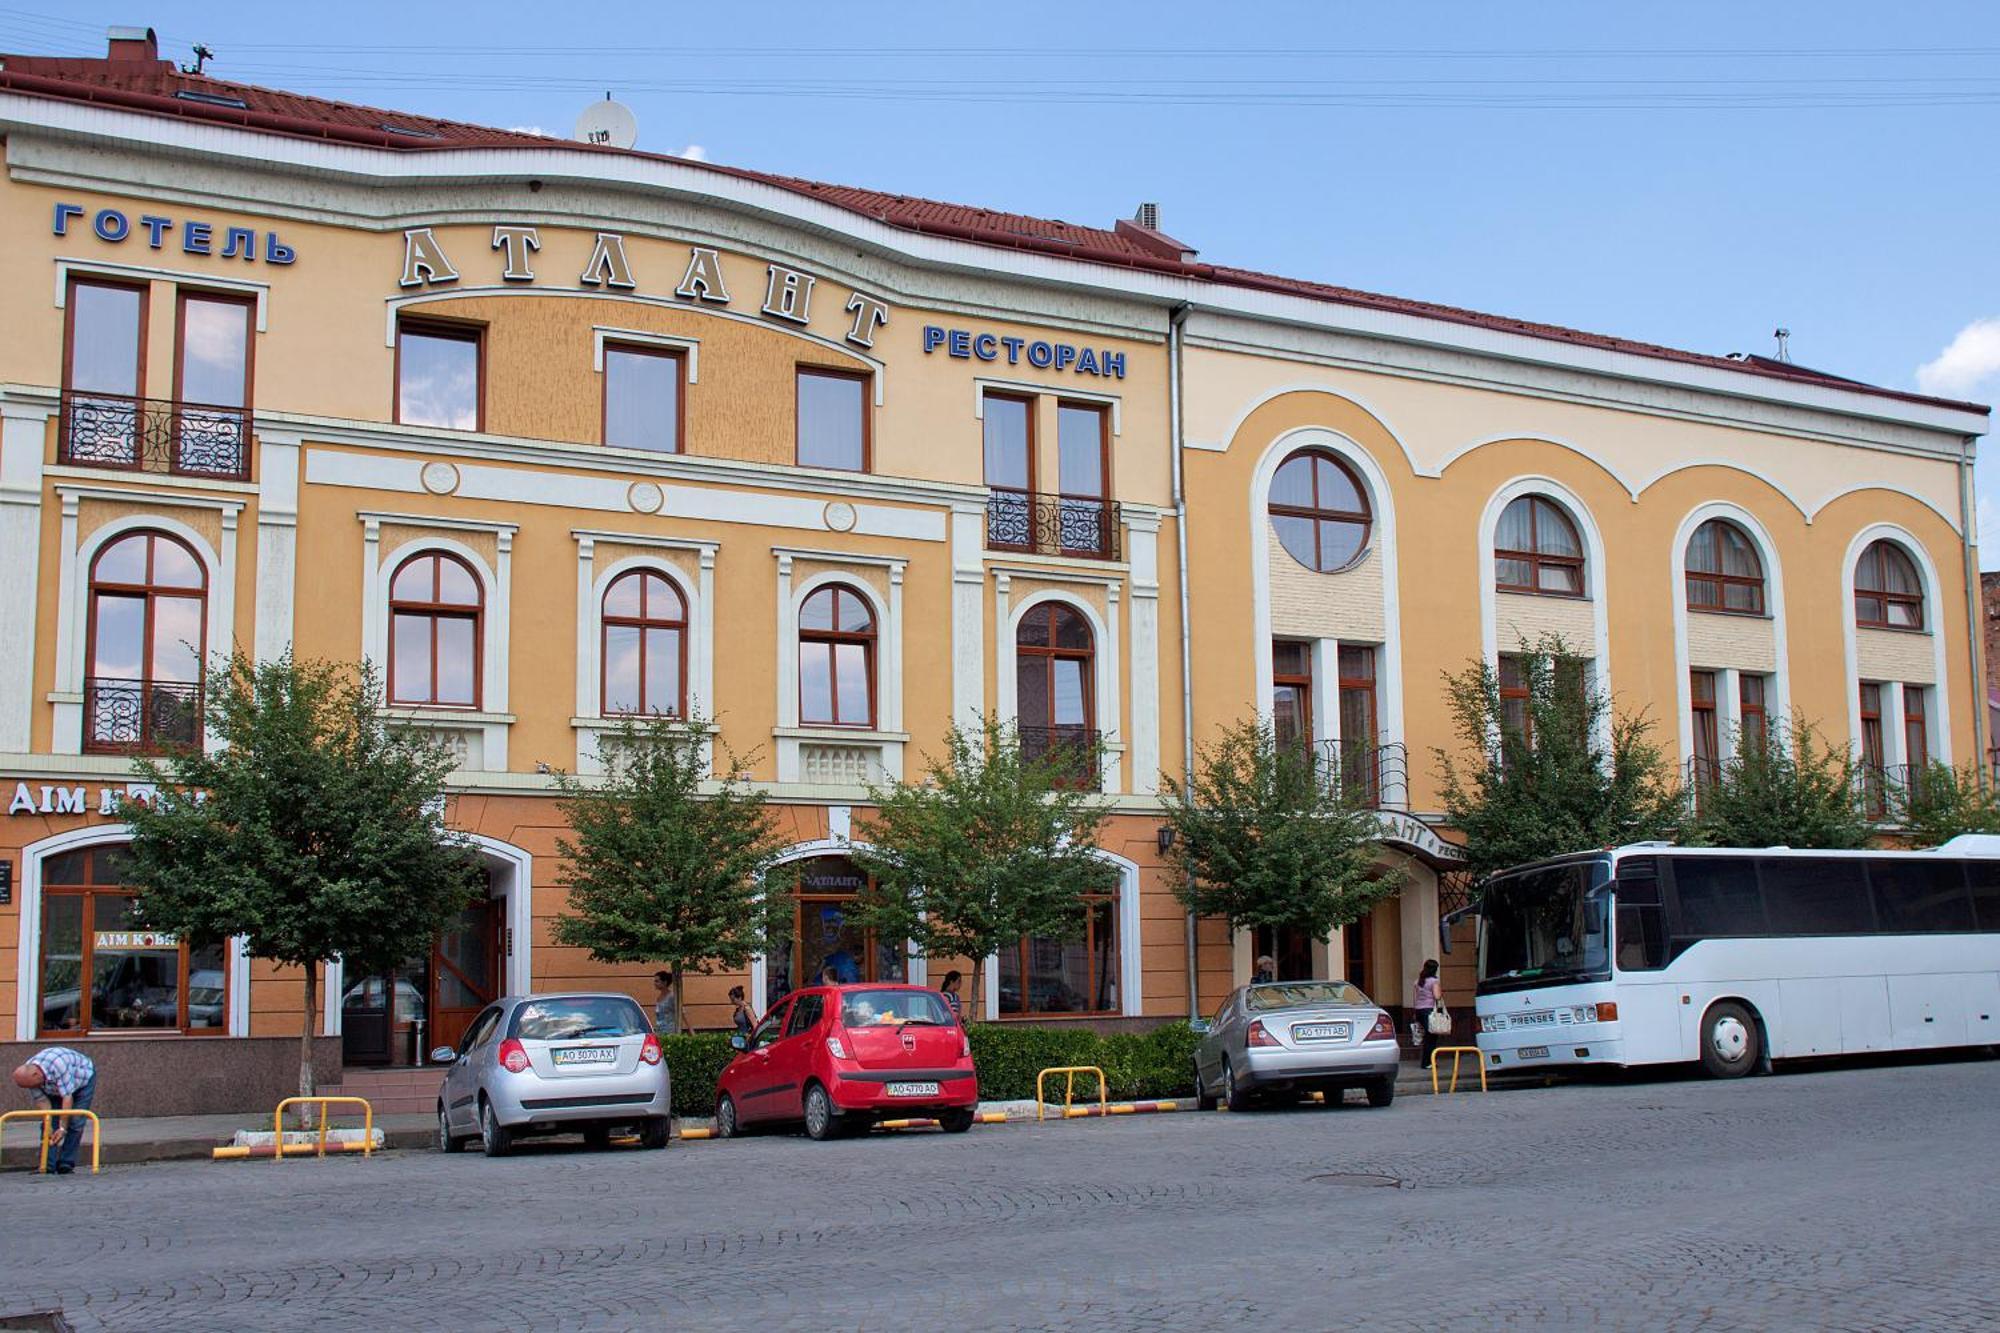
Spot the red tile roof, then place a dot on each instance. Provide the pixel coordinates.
(133, 78)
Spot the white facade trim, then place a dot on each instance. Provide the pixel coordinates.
(982, 384)
(592, 585)
(1728, 700)
(23, 433)
(1594, 568)
(104, 268)
(1104, 669)
(886, 735)
(277, 543)
(1938, 724)
(690, 348)
(496, 584)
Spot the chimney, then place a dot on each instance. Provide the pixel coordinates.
(1143, 228)
(134, 46)
(1148, 216)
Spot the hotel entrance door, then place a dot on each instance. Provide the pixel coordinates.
(394, 1018)
(464, 972)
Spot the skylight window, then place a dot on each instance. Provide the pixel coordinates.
(409, 131)
(212, 99)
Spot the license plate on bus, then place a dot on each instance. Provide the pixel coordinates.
(1322, 1031)
(585, 1055)
(913, 1089)
(1534, 1052)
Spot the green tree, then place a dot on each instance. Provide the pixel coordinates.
(313, 830)
(1262, 837)
(990, 846)
(1563, 772)
(1790, 791)
(1942, 802)
(659, 870)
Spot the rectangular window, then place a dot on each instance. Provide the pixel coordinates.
(100, 972)
(833, 419)
(1360, 760)
(104, 374)
(440, 375)
(1916, 735)
(213, 367)
(1009, 424)
(642, 398)
(1753, 707)
(1083, 477)
(1078, 975)
(1718, 896)
(1873, 779)
(1920, 895)
(1707, 742)
(1514, 713)
(1817, 896)
(1291, 692)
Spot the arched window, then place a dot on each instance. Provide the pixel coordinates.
(1055, 689)
(435, 603)
(1723, 571)
(1888, 591)
(148, 625)
(645, 645)
(1319, 511)
(836, 659)
(1536, 549)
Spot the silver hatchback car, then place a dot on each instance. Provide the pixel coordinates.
(554, 1064)
(1295, 1037)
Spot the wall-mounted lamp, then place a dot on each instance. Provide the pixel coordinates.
(1165, 837)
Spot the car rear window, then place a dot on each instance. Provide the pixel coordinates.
(1293, 994)
(562, 1017)
(889, 1008)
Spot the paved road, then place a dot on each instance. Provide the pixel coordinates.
(1849, 1198)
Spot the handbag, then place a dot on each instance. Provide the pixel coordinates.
(1440, 1021)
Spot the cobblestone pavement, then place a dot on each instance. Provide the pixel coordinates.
(1845, 1198)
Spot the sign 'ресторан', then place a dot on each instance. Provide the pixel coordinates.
(1037, 352)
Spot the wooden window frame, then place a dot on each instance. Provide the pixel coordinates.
(1316, 514)
(866, 380)
(1536, 559)
(1705, 720)
(832, 638)
(425, 326)
(1027, 1013)
(145, 295)
(642, 622)
(1753, 723)
(1523, 691)
(434, 611)
(1873, 560)
(1872, 753)
(1051, 654)
(612, 347)
(90, 891)
(1301, 683)
(150, 592)
(1916, 727)
(248, 305)
(1721, 582)
(1106, 542)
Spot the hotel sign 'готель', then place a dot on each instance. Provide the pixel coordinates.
(556, 433)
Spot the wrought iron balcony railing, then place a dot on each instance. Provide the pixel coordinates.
(1377, 776)
(153, 435)
(1885, 788)
(140, 716)
(1073, 751)
(1052, 524)
(1698, 776)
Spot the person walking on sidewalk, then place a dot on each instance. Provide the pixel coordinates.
(951, 996)
(740, 1013)
(1427, 1006)
(666, 1006)
(65, 1079)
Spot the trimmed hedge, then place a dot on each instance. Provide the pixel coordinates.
(1159, 1063)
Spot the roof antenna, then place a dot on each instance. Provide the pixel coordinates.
(202, 55)
(1784, 337)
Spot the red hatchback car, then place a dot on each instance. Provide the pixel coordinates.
(839, 1058)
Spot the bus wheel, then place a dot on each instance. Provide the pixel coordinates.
(1730, 1046)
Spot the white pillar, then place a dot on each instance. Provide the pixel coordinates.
(1007, 687)
(70, 630)
(968, 598)
(1142, 547)
(22, 434)
(277, 544)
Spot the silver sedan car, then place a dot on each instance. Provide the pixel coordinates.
(1293, 1037)
(554, 1064)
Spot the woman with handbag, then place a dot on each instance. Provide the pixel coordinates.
(1427, 1004)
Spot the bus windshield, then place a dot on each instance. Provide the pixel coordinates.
(1538, 925)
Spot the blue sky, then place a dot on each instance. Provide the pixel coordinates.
(1695, 174)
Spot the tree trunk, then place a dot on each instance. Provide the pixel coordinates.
(977, 1009)
(306, 1088)
(680, 1004)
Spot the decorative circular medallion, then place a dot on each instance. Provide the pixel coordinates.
(839, 516)
(645, 497)
(440, 478)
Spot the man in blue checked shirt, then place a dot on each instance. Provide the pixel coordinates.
(66, 1079)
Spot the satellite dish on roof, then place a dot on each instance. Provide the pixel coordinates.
(609, 123)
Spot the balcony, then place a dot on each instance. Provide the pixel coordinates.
(1364, 773)
(1052, 524)
(1072, 751)
(1885, 789)
(139, 716)
(153, 435)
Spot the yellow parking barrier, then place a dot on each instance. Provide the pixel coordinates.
(367, 1123)
(1456, 1052)
(1069, 1073)
(47, 1117)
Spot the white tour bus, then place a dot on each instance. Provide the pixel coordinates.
(1650, 954)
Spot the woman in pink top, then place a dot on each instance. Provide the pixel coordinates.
(1426, 996)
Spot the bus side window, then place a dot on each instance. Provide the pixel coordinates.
(1915, 895)
(1813, 895)
(1985, 877)
(1642, 943)
(1717, 896)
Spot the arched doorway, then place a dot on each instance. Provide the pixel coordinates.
(394, 1017)
(824, 935)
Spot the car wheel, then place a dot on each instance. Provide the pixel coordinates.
(494, 1137)
(597, 1138)
(1730, 1045)
(1382, 1092)
(956, 1120)
(725, 1118)
(822, 1121)
(1240, 1097)
(447, 1141)
(655, 1133)
(1204, 1100)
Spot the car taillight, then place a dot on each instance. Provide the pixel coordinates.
(836, 1048)
(649, 1053)
(1478, 1024)
(964, 1045)
(513, 1056)
(1383, 1030)
(1256, 1036)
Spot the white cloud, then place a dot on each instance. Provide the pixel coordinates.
(1972, 358)
(694, 152)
